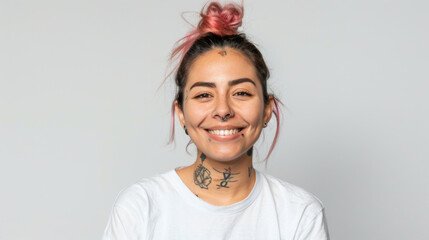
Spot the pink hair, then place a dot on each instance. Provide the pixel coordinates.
(276, 112)
(216, 19)
(222, 21)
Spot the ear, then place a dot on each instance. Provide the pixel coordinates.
(179, 113)
(268, 110)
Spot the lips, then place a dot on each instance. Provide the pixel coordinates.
(224, 133)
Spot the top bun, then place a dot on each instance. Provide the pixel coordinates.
(220, 20)
(215, 18)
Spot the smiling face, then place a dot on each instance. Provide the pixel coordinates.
(222, 82)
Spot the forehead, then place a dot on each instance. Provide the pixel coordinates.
(220, 67)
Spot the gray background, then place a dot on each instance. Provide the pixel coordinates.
(81, 117)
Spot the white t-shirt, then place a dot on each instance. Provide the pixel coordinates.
(162, 207)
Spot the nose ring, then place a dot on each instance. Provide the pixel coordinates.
(226, 117)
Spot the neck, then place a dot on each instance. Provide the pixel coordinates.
(222, 183)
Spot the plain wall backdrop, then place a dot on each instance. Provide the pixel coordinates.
(81, 117)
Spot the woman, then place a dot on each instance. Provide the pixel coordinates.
(223, 105)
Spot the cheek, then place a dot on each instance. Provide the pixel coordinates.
(252, 113)
(195, 114)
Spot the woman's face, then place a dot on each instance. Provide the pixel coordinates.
(222, 82)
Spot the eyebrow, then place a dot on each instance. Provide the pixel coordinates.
(230, 83)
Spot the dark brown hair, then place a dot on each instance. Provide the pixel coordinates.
(218, 28)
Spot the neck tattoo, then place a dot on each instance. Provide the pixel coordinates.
(250, 151)
(202, 176)
(227, 176)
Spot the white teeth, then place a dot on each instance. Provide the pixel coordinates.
(224, 132)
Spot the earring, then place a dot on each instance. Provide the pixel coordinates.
(265, 124)
(186, 130)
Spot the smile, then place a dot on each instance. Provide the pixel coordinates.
(225, 132)
(222, 134)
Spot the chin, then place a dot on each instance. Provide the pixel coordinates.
(224, 156)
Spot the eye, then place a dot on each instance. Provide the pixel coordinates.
(203, 95)
(243, 94)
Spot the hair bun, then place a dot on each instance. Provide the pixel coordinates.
(215, 18)
(221, 20)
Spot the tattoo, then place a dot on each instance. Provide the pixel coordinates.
(222, 53)
(186, 95)
(202, 177)
(250, 151)
(227, 176)
(250, 171)
(203, 157)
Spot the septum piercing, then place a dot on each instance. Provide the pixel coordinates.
(225, 118)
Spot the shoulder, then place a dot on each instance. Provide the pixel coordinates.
(135, 205)
(285, 193)
(144, 192)
(297, 207)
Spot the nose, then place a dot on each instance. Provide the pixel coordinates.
(223, 108)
